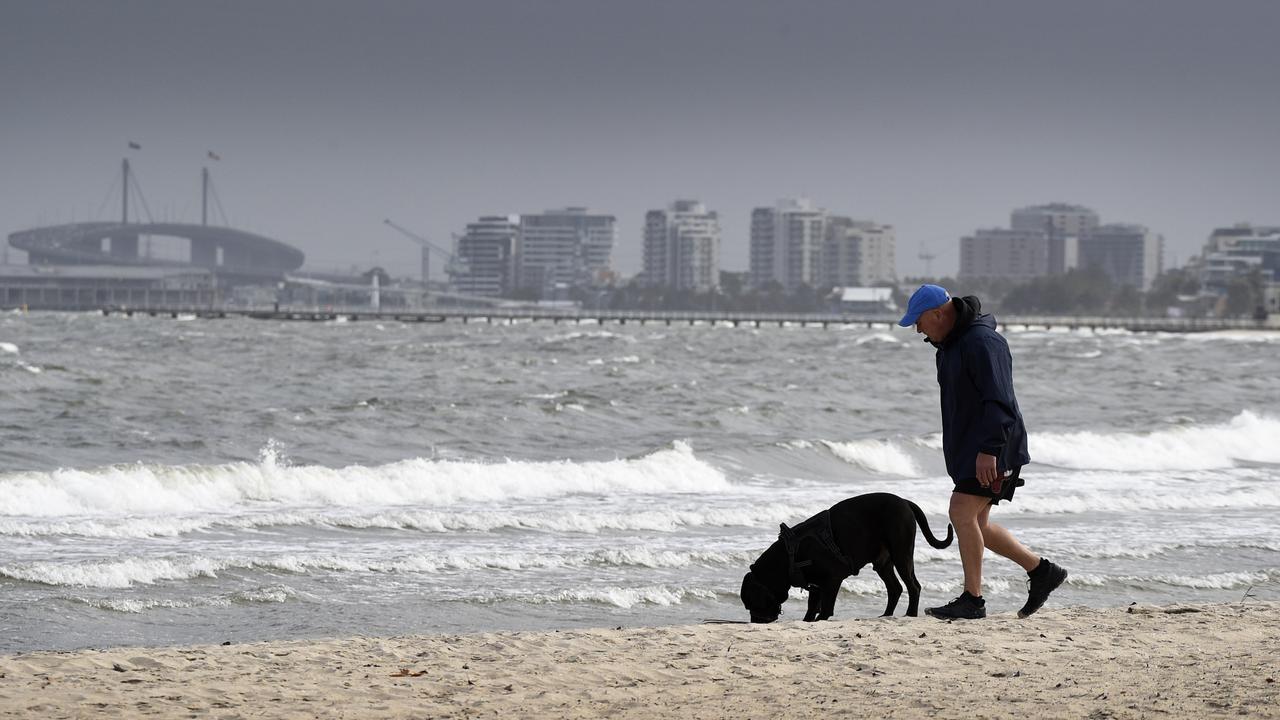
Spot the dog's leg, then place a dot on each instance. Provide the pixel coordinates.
(885, 571)
(829, 594)
(815, 604)
(906, 565)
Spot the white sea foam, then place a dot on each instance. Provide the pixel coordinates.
(879, 337)
(113, 574)
(1214, 581)
(879, 456)
(872, 585)
(432, 521)
(1248, 437)
(175, 490)
(591, 335)
(932, 441)
(1133, 491)
(8, 347)
(266, 594)
(662, 595)
(1248, 336)
(129, 572)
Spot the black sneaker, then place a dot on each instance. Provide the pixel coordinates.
(965, 607)
(1040, 582)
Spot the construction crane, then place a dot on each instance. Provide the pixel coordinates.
(928, 258)
(426, 245)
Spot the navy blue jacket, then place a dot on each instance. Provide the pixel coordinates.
(979, 410)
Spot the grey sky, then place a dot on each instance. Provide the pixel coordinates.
(936, 117)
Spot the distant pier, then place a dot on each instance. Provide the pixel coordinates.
(507, 315)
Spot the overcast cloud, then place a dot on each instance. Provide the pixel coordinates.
(935, 117)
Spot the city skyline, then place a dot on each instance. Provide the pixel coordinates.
(936, 118)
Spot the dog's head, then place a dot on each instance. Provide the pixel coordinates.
(763, 605)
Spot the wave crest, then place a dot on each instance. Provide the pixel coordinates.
(168, 490)
(1247, 437)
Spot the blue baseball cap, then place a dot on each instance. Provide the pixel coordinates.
(927, 297)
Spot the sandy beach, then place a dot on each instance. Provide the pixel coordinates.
(1177, 661)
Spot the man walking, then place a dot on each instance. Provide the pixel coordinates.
(983, 439)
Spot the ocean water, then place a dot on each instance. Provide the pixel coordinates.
(188, 481)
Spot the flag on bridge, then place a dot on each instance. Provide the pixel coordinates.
(134, 146)
(213, 155)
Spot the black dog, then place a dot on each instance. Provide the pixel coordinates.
(819, 553)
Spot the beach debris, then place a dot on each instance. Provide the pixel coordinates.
(406, 672)
(118, 668)
(923, 635)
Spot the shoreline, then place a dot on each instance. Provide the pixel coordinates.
(1176, 661)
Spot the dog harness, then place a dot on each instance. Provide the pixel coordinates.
(817, 527)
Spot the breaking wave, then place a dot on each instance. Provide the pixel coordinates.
(878, 456)
(168, 490)
(1247, 437)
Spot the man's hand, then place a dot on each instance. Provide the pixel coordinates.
(987, 470)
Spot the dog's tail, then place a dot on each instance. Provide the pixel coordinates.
(923, 522)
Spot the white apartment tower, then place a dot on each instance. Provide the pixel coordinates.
(1129, 254)
(561, 249)
(859, 253)
(486, 257)
(682, 247)
(787, 244)
(1063, 226)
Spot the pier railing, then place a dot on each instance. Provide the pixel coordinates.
(682, 317)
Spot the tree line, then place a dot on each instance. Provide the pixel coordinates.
(1080, 291)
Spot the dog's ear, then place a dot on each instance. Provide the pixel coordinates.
(785, 529)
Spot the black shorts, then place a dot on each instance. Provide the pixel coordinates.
(970, 486)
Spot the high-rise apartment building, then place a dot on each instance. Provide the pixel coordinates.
(787, 244)
(682, 247)
(485, 257)
(1129, 254)
(1063, 226)
(859, 253)
(561, 249)
(1000, 253)
(1237, 251)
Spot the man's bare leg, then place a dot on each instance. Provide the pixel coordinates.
(1002, 542)
(964, 513)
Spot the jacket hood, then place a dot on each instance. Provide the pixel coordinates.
(968, 314)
